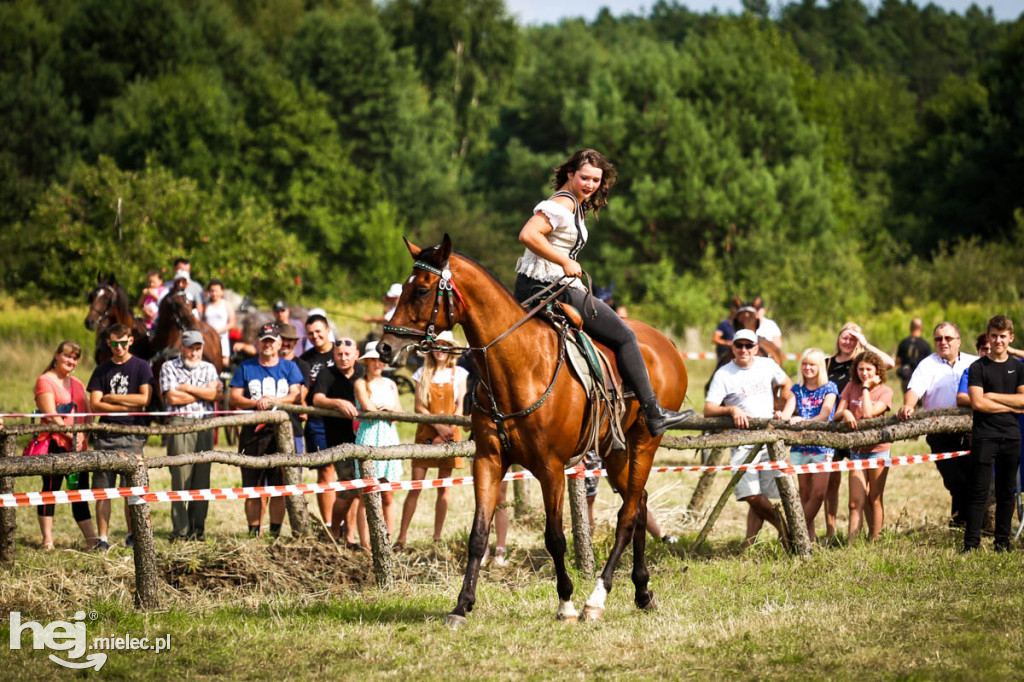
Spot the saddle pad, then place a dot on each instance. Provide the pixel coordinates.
(583, 360)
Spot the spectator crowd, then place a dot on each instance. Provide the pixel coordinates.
(305, 362)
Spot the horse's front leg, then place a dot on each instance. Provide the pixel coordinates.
(644, 598)
(628, 475)
(487, 474)
(552, 484)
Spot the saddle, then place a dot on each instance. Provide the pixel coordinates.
(596, 373)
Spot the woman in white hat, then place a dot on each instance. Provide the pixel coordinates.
(440, 389)
(374, 393)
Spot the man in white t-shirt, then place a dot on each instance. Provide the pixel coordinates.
(744, 389)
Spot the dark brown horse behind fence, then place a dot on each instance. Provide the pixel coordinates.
(175, 317)
(109, 305)
(513, 422)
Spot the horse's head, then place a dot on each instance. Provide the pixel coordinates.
(745, 316)
(176, 308)
(426, 307)
(101, 302)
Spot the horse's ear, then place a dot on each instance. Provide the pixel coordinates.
(758, 303)
(414, 250)
(446, 248)
(737, 302)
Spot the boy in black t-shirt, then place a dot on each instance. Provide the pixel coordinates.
(995, 385)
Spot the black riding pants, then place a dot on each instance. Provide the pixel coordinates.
(604, 326)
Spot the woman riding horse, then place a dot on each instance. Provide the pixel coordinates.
(528, 412)
(553, 238)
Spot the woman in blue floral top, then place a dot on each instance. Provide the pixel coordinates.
(813, 400)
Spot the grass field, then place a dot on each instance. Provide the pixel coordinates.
(907, 607)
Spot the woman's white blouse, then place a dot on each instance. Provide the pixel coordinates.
(562, 238)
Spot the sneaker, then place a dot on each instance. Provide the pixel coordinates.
(669, 539)
(1000, 547)
(101, 546)
(499, 557)
(129, 541)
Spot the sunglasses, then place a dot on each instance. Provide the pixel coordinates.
(346, 342)
(743, 346)
(121, 344)
(947, 339)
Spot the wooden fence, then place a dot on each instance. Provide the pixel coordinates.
(777, 436)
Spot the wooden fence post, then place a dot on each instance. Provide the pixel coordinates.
(147, 581)
(706, 480)
(581, 531)
(298, 516)
(717, 511)
(8, 515)
(799, 541)
(380, 543)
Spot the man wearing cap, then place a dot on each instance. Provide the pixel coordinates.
(334, 389)
(283, 316)
(743, 389)
(259, 384)
(183, 270)
(190, 386)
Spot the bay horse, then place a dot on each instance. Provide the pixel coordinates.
(526, 412)
(175, 317)
(109, 305)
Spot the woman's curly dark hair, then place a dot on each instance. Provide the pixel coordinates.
(598, 199)
(870, 358)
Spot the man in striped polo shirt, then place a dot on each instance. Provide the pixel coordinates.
(190, 386)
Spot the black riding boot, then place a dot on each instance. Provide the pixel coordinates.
(634, 372)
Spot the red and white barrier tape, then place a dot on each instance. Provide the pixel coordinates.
(67, 496)
(141, 495)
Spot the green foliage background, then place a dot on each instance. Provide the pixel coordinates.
(836, 159)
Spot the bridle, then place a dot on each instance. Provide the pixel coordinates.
(447, 290)
(110, 303)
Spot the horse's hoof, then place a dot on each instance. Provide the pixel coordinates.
(568, 618)
(593, 613)
(454, 621)
(651, 605)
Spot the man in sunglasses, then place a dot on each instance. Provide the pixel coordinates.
(933, 385)
(743, 390)
(121, 384)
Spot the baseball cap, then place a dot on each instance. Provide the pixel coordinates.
(191, 338)
(279, 305)
(318, 311)
(269, 331)
(745, 335)
(446, 337)
(395, 291)
(290, 332)
(182, 274)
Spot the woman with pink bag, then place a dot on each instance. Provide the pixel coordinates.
(57, 391)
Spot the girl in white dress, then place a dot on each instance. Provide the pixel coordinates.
(374, 393)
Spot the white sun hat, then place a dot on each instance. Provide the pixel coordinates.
(370, 351)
